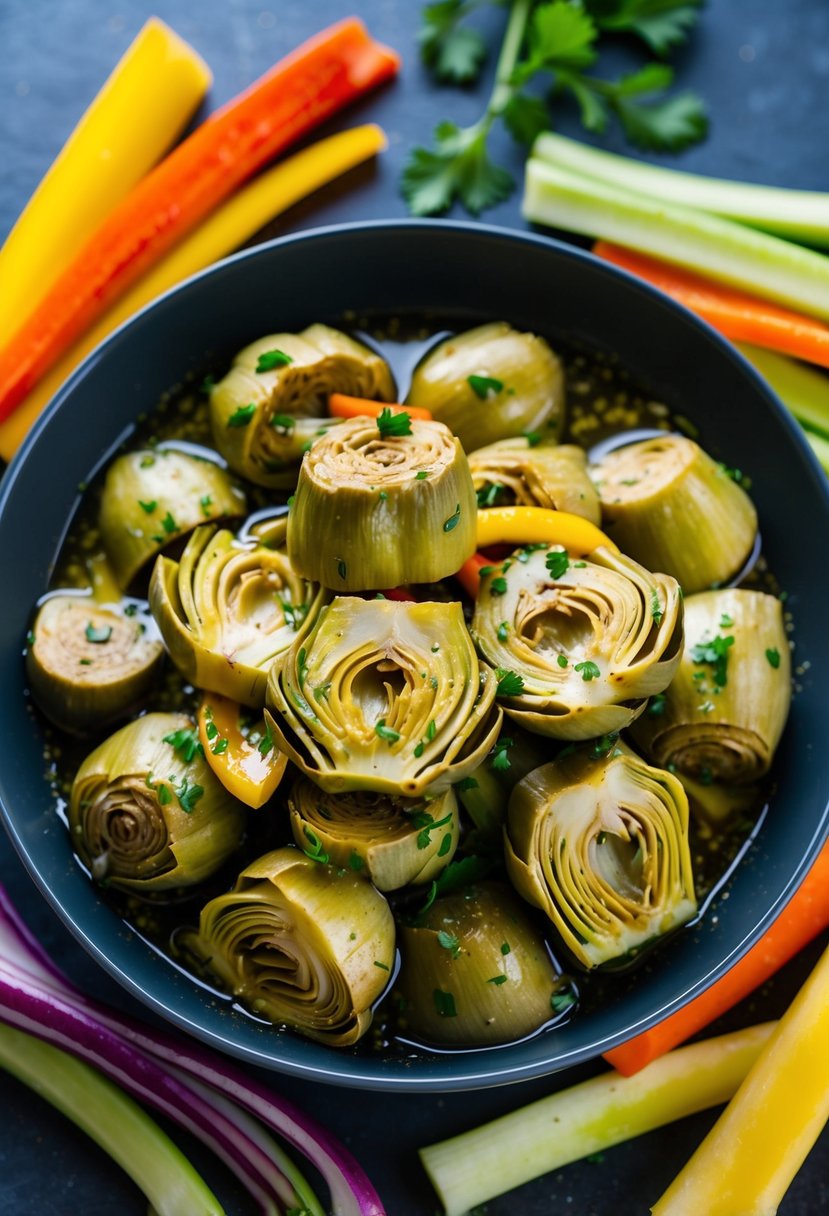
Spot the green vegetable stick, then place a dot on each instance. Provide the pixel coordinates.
(114, 1121)
(588, 1118)
(765, 265)
(798, 214)
(803, 389)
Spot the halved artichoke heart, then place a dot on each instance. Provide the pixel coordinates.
(301, 944)
(88, 664)
(393, 841)
(601, 845)
(273, 402)
(673, 508)
(475, 970)
(722, 716)
(523, 473)
(386, 696)
(374, 510)
(490, 383)
(228, 609)
(145, 819)
(579, 645)
(153, 497)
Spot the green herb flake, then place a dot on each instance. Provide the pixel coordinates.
(482, 386)
(341, 568)
(383, 495)
(500, 762)
(163, 794)
(465, 784)
(187, 794)
(452, 522)
(502, 632)
(589, 671)
(283, 422)
(714, 653)
(98, 635)
(382, 966)
(315, 850)
(445, 845)
(242, 415)
(219, 747)
(498, 586)
(505, 948)
(266, 742)
(271, 359)
(394, 423)
(497, 979)
(386, 732)
(421, 475)
(185, 743)
(533, 438)
(562, 660)
(557, 562)
(449, 942)
(657, 611)
(355, 861)
(510, 684)
(561, 1001)
(773, 656)
(656, 705)
(206, 504)
(149, 507)
(445, 1003)
(488, 495)
(169, 524)
(726, 621)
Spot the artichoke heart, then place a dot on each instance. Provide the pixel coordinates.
(475, 971)
(601, 845)
(373, 510)
(386, 696)
(722, 716)
(670, 506)
(273, 402)
(228, 609)
(88, 664)
(522, 473)
(491, 383)
(393, 841)
(146, 814)
(301, 944)
(579, 646)
(153, 497)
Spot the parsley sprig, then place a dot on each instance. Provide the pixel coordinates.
(555, 42)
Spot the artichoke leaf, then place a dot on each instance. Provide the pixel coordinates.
(491, 383)
(475, 971)
(386, 696)
(375, 510)
(89, 664)
(393, 841)
(153, 498)
(581, 644)
(522, 472)
(601, 845)
(671, 507)
(143, 817)
(301, 944)
(228, 609)
(724, 713)
(273, 403)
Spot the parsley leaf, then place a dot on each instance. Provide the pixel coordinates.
(482, 386)
(185, 743)
(242, 415)
(452, 52)
(510, 684)
(456, 167)
(557, 562)
(271, 359)
(662, 25)
(394, 422)
(715, 653)
(589, 671)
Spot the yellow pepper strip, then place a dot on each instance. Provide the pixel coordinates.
(225, 230)
(534, 525)
(249, 771)
(589, 1117)
(137, 115)
(745, 1164)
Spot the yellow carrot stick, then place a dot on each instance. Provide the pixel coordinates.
(223, 231)
(141, 109)
(747, 1161)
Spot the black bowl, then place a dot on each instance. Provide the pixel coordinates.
(468, 272)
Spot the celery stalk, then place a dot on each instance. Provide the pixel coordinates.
(114, 1121)
(820, 447)
(804, 390)
(801, 215)
(765, 265)
(587, 1118)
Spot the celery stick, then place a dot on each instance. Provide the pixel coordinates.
(799, 214)
(587, 1118)
(820, 447)
(765, 265)
(804, 390)
(114, 1121)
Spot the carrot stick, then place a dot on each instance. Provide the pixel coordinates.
(469, 575)
(342, 406)
(805, 915)
(736, 314)
(297, 94)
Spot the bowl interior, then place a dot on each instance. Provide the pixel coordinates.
(445, 270)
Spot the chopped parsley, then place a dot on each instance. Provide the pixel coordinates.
(557, 562)
(505, 948)
(533, 438)
(482, 386)
(98, 635)
(266, 742)
(315, 849)
(185, 743)
(283, 422)
(386, 732)
(604, 744)
(589, 671)
(187, 794)
(355, 861)
(465, 784)
(657, 611)
(449, 942)
(715, 653)
(445, 1003)
(421, 475)
(394, 423)
(271, 359)
(497, 979)
(242, 415)
(206, 504)
(503, 631)
(452, 522)
(773, 656)
(489, 495)
(561, 1001)
(656, 705)
(498, 586)
(510, 684)
(149, 507)
(500, 761)
(169, 524)
(726, 621)
(219, 747)
(562, 660)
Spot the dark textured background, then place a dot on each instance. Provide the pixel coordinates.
(763, 67)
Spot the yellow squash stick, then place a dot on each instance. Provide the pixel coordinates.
(223, 231)
(745, 1164)
(139, 112)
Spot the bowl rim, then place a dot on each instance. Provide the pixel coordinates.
(360, 1073)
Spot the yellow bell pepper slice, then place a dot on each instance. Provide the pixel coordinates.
(747, 1161)
(222, 232)
(141, 109)
(250, 771)
(536, 525)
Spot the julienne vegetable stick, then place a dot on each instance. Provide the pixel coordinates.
(801, 215)
(320, 77)
(114, 1121)
(589, 1117)
(730, 252)
(747, 1161)
(137, 115)
(342, 406)
(804, 917)
(736, 314)
(228, 227)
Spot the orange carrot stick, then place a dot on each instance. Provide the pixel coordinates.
(296, 95)
(805, 915)
(469, 575)
(342, 406)
(736, 314)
